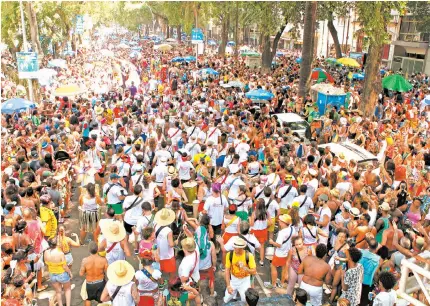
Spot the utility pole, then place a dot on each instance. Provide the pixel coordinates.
(24, 40)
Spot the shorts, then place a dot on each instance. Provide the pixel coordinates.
(208, 274)
(61, 278)
(261, 235)
(279, 261)
(128, 228)
(217, 229)
(95, 289)
(168, 265)
(271, 228)
(227, 236)
(117, 208)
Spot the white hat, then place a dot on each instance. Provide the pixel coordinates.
(313, 172)
(347, 205)
(113, 231)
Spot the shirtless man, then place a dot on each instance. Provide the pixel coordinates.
(357, 183)
(361, 230)
(94, 268)
(316, 272)
(370, 178)
(388, 235)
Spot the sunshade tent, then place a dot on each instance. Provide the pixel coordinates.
(208, 71)
(251, 54)
(163, 47)
(321, 75)
(260, 94)
(236, 84)
(397, 83)
(68, 90)
(59, 63)
(190, 58)
(17, 105)
(350, 62)
(178, 59)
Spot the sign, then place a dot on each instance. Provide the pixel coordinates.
(197, 36)
(28, 65)
(79, 24)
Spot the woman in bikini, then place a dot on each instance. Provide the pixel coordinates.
(295, 257)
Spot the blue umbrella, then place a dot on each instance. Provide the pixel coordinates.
(231, 43)
(259, 94)
(317, 69)
(211, 42)
(16, 105)
(178, 60)
(358, 76)
(279, 53)
(298, 60)
(190, 58)
(208, 71)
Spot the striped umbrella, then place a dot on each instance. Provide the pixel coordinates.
(321, 75)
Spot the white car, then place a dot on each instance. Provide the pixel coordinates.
(351, 151)
(294, 122)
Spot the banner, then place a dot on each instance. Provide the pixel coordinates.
(28, 65)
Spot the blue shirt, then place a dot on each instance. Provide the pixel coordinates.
(370, 263)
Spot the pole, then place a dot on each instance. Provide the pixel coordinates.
(197, 44)
(347, 32)
(24, 40)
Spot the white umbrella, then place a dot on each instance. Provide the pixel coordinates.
(123, 46)
(171, 40)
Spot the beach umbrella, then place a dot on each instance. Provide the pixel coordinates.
(425, 101)
(236, 84)
(163, 47)
(350, 62)
(251, 54)
(260, 94)
(208, 71)
(16, 105)
(178, 59)
(212, 42)
(59, 63)
(321, 75)
(231, 43)
(331, 60)
(317, 69)
(68, 90)
(397, 83)
(107, 53)
(190, 58)
(298, 60)
(358, 76)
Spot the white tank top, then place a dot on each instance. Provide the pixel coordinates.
(254, 167)
(260, 224)
(123, 297)
(231, 229)
(117, 253)
(166, 252)
(89, 204)
(307, 235)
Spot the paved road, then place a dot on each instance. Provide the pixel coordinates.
(72, 226)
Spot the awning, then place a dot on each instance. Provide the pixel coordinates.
(415, 50)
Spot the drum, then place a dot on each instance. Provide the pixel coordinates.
(196, 208)
(190, 189)
(270, 251)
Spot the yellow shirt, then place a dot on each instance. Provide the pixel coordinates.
(198, 156)
(234, 265)
(47, 216)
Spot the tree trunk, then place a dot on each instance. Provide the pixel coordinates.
(333, 33)
(34, 29)
(167, 31)
(224, 34)
(266, 56)
(179, 33)
(372, 81)
(236, 29)
(269, 52)
(307, 49)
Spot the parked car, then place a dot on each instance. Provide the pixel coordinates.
(295, 123)
(351, 151)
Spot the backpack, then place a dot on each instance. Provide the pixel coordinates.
(203, 242)
(230, 257)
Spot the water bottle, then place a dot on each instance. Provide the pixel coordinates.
(371, 296)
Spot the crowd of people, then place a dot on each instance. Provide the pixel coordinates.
(184, 173)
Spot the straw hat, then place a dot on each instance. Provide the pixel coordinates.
(385, 206)
(355, 212)
(98, 110)
(239, 243)
(188, 244)
(171, 170)
(113, 231)
(120, 273)
(285, 218)
(335, 192)
(164, 217)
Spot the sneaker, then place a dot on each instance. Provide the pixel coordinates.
(214, 295)
(268, 285)
(262, 263)
(136, 252)
(222, 268)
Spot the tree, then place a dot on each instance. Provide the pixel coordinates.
(374, 17)
(34, 28)
(307, 50)
(421, 12)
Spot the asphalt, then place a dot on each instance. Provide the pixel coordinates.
(72, 226)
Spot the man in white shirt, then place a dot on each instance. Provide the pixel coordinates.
(188, 270)
(234, 181)
(193, 130)
(272, 208)
(251, 241)
(153, 84)
(286, 195)
(324, 213)
(144, 220)
(132, 208)
(282, 247)
(160, 172)
(114, 194)
(214, 206)
(192, 146)
(174, 133)
(305, 202)
(163, 153)
(213, 134)
(184, 167)
(242, 149)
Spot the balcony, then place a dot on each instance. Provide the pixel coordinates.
(414, 37)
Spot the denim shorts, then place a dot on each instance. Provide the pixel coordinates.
(60, 278)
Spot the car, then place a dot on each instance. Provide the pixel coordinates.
(295, 123)
(351, 152)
